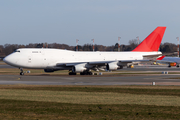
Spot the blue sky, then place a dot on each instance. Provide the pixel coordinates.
(64, 21)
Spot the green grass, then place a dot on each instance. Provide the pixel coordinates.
(146, 90)
(17, 109)
(89, 102)
(89, 97)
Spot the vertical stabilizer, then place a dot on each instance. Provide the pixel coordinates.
(151, 42)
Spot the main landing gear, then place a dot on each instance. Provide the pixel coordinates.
(86, 73)
(71, 72)
(21, 73)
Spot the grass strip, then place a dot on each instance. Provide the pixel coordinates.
(139, 90)
(76, 97)
(20, 109)
(92, 102)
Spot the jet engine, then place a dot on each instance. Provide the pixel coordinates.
(49, 70)
(79, 68)
(172, 64)
(112, 66)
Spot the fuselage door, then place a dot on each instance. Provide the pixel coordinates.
(29, 59)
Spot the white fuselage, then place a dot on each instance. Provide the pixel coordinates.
(49, 58)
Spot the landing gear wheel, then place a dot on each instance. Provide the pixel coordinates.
(90, 73)
(86, 73)
(72, 73)
(81, 73)
(21, 73)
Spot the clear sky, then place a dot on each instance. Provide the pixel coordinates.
(64, 21)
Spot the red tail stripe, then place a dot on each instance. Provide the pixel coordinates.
(160, 58)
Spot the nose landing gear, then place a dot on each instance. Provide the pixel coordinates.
(21, 73)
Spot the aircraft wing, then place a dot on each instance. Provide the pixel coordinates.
(167, 61)
(109, 65)
(164, 61)
(172, 61)
(151, 57)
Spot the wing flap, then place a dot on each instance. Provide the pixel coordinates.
(151, 57)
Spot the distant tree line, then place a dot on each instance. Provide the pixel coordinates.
(9, 48)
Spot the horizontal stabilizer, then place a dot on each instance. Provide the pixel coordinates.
(160, 58)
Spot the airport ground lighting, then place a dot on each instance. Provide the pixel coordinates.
(138, 39)
(177, 45)
(77, 44)
(119, 43)
(93, 44)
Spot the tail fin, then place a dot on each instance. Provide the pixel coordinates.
(151, 42)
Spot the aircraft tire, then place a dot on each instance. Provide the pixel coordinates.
(72, 73)
(21, 73)
(90, 73)
(81, 73)
(85, 73)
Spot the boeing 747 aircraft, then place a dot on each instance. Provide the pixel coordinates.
(83, 62)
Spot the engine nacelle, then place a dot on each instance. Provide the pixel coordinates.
(172, 64)
(49, 70)
(79, 68)
(112, 66)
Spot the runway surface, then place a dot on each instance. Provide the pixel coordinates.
(90, 80)
(130, 79)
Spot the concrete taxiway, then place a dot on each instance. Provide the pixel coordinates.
(122, 79)
(91, 80)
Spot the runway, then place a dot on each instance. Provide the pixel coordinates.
(122, 79)
(89, 80)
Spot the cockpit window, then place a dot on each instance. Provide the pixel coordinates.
(16, 50)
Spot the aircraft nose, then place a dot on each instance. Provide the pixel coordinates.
(6, 60)
(9, 60)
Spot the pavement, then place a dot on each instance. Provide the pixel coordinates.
(89, 80)
(122, 79)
